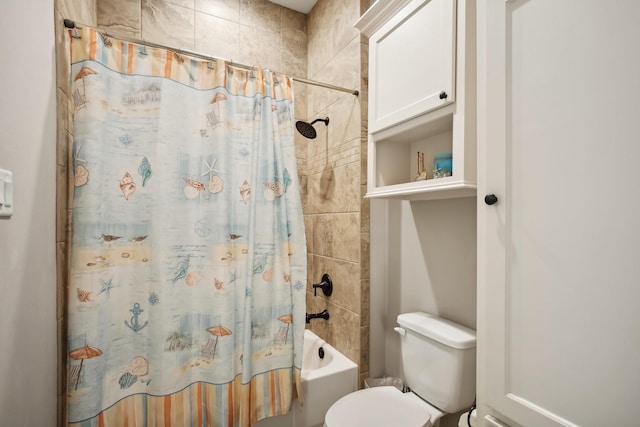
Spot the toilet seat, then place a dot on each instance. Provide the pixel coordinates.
(379, 406)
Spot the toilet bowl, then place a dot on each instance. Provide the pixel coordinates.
(438, 362)
(382, 406)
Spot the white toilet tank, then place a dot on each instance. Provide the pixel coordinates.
(439, 360)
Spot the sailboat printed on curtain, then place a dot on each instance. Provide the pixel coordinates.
(186, 213)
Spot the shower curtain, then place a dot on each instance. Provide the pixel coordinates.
(187, 269)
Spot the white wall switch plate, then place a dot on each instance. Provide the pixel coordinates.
(6, 193)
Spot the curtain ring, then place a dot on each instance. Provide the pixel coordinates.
(105, 40)
(178, 57)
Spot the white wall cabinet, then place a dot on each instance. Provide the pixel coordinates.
(412, 63)
(558, 275)
(421, 96)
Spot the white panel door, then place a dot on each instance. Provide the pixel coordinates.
(412, 63)
(559, 253)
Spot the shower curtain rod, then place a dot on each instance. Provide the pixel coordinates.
(68, 23)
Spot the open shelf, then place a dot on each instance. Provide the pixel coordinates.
(393, 163)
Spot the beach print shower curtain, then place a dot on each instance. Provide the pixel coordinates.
(187, 256)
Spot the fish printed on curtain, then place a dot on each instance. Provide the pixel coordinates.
(188, 254)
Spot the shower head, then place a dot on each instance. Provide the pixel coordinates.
(307, 130)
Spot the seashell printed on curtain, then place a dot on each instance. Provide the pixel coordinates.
(188, 253)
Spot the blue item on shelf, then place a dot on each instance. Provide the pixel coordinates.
(442, 163)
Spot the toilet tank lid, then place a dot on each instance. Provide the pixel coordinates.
(445, 331)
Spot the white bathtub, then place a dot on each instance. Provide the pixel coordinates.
(324, 381)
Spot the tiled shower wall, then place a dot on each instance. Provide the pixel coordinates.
(322, 46)
(336, 215)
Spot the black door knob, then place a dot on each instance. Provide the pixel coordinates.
(490, 199)
(443, 95)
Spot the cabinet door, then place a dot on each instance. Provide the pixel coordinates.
(412, 63)
(558, 254)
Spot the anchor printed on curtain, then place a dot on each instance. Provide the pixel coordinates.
(188, 253)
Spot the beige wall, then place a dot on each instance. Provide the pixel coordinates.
(27, 248)
(336, 215)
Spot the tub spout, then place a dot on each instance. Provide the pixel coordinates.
(324, 315)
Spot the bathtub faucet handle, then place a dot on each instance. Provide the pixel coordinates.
(326, 285)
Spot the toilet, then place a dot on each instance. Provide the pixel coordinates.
(439, 366)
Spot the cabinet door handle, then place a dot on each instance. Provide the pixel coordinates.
(490, 199)
(443, 95)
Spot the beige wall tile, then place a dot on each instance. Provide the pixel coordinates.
(292, 20)
(300, 98)
(365, 301)
(322, 235)
(261, 14)
(294, 40)
(62, 110)
(91, 9)
(63, 65)
(62, 404)
(322, 188)
(363, 159)
(217, 37)
(309, 273)
(304, 192)
(260, 48)
(61, 271)
(120, 17)
(308, 227)
(347, 247)
(187, 4)
(336, 189)
(364, 76)
(294, 52)
(345, 120)
(365, 265)
(168, 24)
(364, 253)
(345, 332)
(294, 65)
(81, 11)
(364, 348)
(301, 147)
(227, 9)
(317, 148)
(61, 324)
(61, 204)
(330, 30)
(342, 70)
(364, 212)
(318, 159)
(346, 285)
(337, 236)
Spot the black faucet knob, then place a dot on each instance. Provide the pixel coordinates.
(326, 285)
